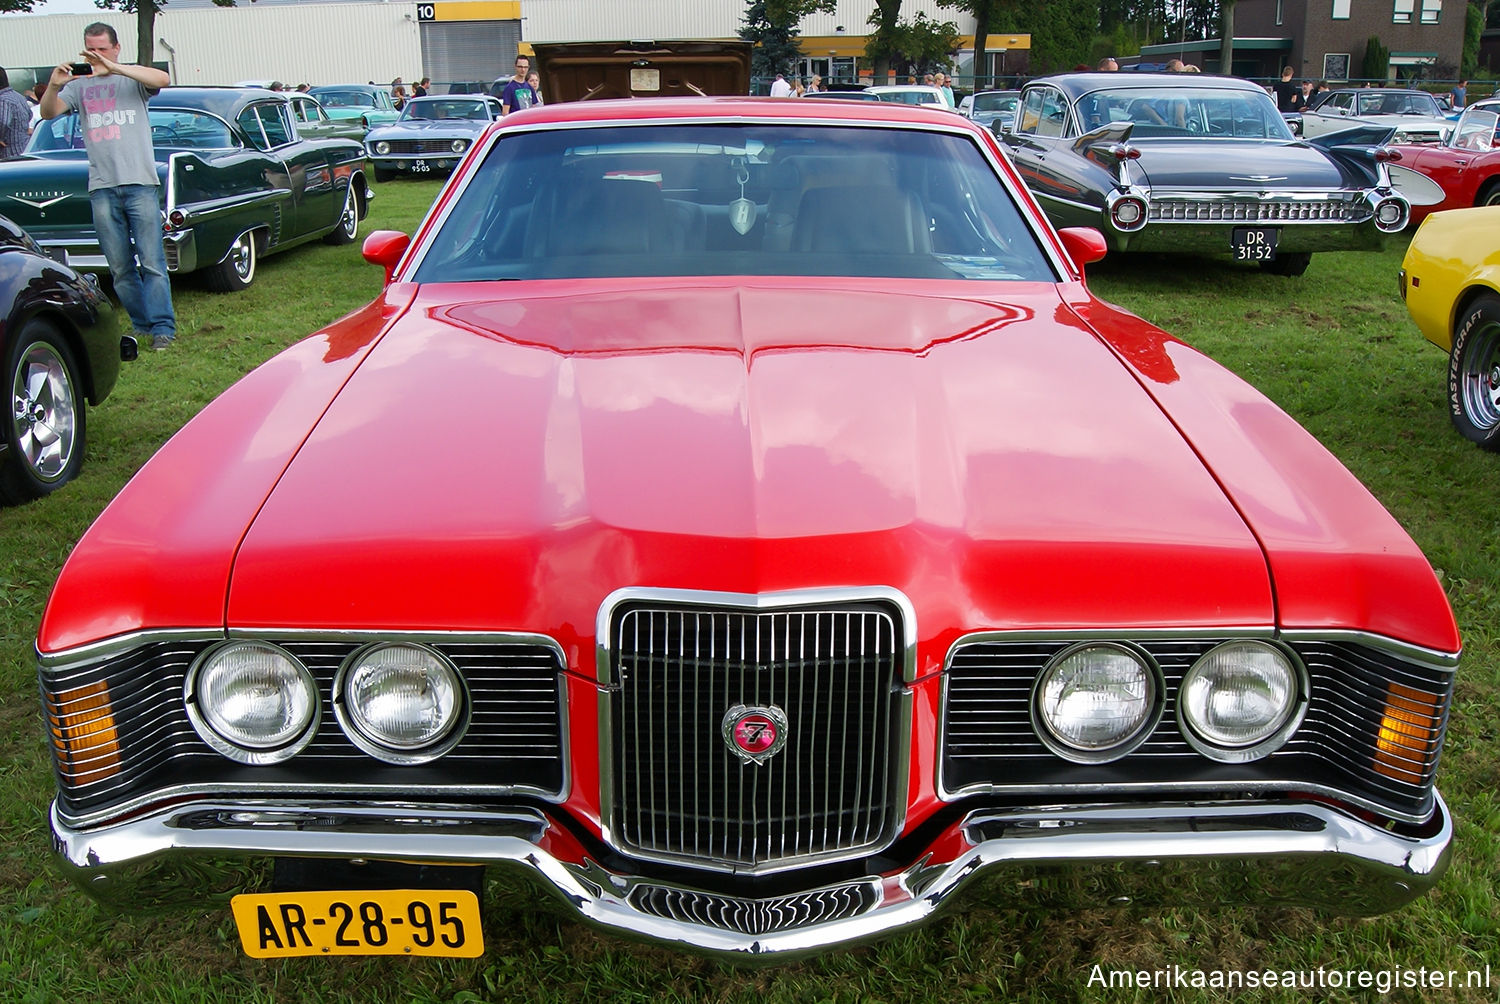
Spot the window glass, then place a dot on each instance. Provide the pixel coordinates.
(1432, 11)
(1403, 11)
(273, 120)
(696, 200)
(1340, 10)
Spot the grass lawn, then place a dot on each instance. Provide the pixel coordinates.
(1335, 348)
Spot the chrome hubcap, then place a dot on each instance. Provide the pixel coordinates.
(243, 256)
(1480, 381)
(350, 221)
(44, 410)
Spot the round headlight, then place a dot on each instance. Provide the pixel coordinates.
(382, 148)
(459, 145)
(1239, 700)
(1096, 701)
(401, 702)
(252, 701)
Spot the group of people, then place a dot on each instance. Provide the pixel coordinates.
(418, 90)
(1293, 97)
(795, 88)
(523, 89)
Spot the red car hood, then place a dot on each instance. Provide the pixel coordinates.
(508, 455)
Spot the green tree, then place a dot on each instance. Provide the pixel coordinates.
(1474, 19)
(984, 12)
(17, 6)
(1062, 33)
(1226, 44)
(772, 26)
(1377, 60)
(914, 46)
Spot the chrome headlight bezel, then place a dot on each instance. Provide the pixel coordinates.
(459, 145)
(359, 731)
(1273, 737)
(1146, 723)
(204, 719)
(380, 147)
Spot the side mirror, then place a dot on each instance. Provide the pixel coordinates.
(1084, 245)
(385, 248)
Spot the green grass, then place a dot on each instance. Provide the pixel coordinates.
(1335, 348)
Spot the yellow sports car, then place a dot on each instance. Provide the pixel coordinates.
(1450, 281)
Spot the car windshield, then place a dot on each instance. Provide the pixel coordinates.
(911, 97)
(345, 99)
(1478, 130)
(1399, 103)
(171, 129)
(693, 200)
(995, 102)
(446, 108)
(1202, 112)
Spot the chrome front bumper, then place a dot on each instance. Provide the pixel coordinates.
(1294, 852)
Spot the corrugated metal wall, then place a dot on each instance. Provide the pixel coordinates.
(312, 43)
(469, 51)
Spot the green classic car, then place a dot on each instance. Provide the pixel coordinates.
(237, 181)
(369, 105)
(314, 122)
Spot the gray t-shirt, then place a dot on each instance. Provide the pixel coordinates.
(116, 129)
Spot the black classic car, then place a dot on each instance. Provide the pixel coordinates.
(237, 181)
(1194, 163)
(60, 350)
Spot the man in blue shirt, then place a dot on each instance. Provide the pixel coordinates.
(517, 93)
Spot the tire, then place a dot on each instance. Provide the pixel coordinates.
(1474, 373)
(1288, 264)
(44, 430)
(348, 225)
(1489, 195)
(385, 173)
(237, 271)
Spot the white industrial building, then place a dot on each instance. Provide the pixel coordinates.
(332, 41)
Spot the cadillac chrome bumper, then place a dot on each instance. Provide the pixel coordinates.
(1294, 852)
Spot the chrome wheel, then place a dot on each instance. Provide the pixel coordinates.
(1474, 373)
(348, 225)
(237, 270)
(242, 258)
(44, 412)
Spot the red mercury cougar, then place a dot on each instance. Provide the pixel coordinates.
(738, 516)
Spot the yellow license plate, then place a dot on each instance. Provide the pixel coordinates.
(276, 925)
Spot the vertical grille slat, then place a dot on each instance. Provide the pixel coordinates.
(682, 793)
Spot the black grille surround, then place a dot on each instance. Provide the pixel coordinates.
(676, 792)
(514, 742)
(990, 745)
(427, 147)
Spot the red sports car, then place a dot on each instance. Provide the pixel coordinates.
(740, 517)
(1467, 166)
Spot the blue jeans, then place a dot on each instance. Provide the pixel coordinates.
(120, 214)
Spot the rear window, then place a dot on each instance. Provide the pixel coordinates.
(692, 200)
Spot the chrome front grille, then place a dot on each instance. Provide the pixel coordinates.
(428, 147)
(1250, 210)
(754, 916)
(989, 741)
(129, 735)
(681, 793)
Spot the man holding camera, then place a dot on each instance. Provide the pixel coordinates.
(110, 98)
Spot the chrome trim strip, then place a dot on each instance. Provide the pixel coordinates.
(1293, 851)
(483, 144)
(755, 602)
